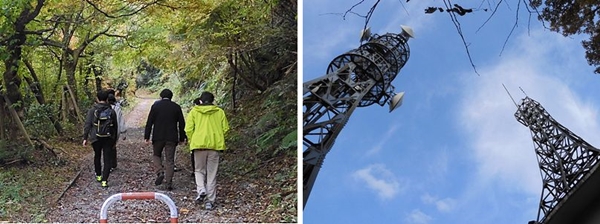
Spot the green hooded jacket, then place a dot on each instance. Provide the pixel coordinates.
(205, 127)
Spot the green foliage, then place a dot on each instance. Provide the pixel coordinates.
(574, 17)
(148, 75)
(11, 150)
(290, 141)
(184, 49)
(37, 122)
(10, 196)
(16, 194)
(11, 190)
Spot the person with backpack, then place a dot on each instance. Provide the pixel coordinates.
(165, 123)
(112, 100)
(100, 129)
(206, 126)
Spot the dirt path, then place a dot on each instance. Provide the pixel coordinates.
(82, 201)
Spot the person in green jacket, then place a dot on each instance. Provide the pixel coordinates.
(205, 127)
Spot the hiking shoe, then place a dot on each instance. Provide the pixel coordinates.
(98, 178)
(208, 205)
(104, 184)
(200, 198)
(159, 179)
(176, 169)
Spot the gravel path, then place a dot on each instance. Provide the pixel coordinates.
(83, 200)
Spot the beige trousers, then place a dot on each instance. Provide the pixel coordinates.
(205, 171)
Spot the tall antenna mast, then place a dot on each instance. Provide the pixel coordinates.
(357, 78)
(566, 161)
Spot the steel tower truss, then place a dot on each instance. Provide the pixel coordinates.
(358, 78)
(564, 158)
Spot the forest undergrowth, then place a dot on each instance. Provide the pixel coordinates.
(257, 180)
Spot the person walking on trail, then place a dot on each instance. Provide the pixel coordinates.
(116, 106)
(206, 125)
(196, 103)
(100, 129)
(166, 124)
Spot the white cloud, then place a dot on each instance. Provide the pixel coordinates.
(501, 146)
(379, 179)
(443, 205)
(418, 217)
(379, 145)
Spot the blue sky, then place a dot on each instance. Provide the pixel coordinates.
(453, 152)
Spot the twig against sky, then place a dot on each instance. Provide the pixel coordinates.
(513, 28)
(490, 17)
(367, 16)
(459, 30)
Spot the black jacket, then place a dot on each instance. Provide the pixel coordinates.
(89, 133)
(165, 122)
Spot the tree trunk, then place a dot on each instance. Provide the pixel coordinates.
(231, 62)
(74, 102)
(17, 120)
(36, 89)
(11, 63)
(3, 120)
(13, 47)
(70, 66)
(98, 77)
(63, 105)
(86, 83)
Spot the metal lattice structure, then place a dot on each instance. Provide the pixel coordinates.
(358, 78)
(565, 159)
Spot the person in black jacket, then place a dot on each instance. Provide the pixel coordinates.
(102, 145)
(166, 124)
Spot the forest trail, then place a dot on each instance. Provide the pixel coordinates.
(81, 203)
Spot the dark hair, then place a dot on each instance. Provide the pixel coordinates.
(111, 91)
(102, 95)
(196, 101)
(111, 98)
(166, 93)
(207, 98)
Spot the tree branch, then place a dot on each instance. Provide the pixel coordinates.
(513, 28)
(459, 30)
(490, 17)
(35, 12)
(122, 15)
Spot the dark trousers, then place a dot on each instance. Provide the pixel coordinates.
(103, 149)
(168, 167)
(114, 155)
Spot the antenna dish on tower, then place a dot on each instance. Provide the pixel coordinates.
(365, 34)
(396, 101)
(407, 32)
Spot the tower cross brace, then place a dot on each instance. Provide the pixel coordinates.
(358, 78)
(565, 159)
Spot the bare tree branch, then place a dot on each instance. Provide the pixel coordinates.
(490, 17)
(354, 6)
(122, 15)
(459, 30)
(513, 28)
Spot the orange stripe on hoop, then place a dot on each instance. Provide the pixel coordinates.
(138, 195)
(173, 220)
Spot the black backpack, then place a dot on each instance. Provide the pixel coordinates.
(104, 122)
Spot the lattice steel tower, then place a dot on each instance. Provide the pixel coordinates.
(358, 78)
(565, 159)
